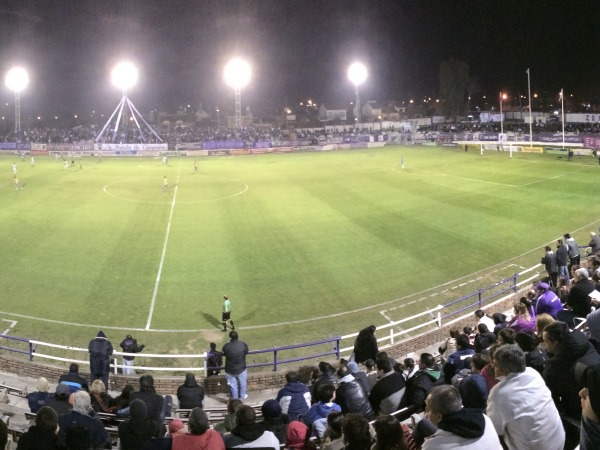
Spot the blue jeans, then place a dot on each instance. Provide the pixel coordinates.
(563, 272)
(232, 382)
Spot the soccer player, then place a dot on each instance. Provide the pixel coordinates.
(227, 313)
(32, 161)
(66, 166)
(402, 162)
(195, 166)
(14, 168)
(165, 183)
(17, 186)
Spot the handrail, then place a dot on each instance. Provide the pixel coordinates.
(437, 313)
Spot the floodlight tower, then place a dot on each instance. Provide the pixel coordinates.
(357, 73)
(124, 76)
(237, 74)
(502, 98)
(16, 80)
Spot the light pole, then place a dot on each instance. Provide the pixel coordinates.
(218, 117)
(502, 97)
(17, 79)
(530, 116)
(237, 74)
(357, 73)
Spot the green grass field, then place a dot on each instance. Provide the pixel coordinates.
(299, 242)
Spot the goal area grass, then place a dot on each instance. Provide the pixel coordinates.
(306, 245)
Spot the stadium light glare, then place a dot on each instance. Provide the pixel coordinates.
(357, 73)
(124, 75)
(16, 80)
(237, 74)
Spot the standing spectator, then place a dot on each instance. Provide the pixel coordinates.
(589, 378)
(190, 394)
(274, 420)
(457, 427)
(200, 436)
(574, 257)
(365, 346)
(455, 362)
(226, 314)
(548, 302)
(42, 435)
(565, 349)
(80, 417)
(130, 345)
(235, 352)
(73, 379)
(578, 301)
(520, 405)
(38, 398)
(100, 350)
(484, 338)
(294, 397)
(214, 360)
(387, 395)
(350, 395)
(156, 407)
(551, 265)
(248, 433)
(137, 430)
(562, 259)
(594, 244)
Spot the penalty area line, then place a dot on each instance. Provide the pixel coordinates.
(164, 252)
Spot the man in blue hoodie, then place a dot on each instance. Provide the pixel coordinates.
(294, 397)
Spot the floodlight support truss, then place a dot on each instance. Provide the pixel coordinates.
(121, 109)
(238, 108)
(17, 112)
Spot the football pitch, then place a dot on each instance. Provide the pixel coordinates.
(306, 245)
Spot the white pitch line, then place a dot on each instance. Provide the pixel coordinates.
(12, 324)
(164, 253)
(469, 179)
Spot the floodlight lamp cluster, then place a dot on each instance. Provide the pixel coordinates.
(237, 73)
(17, 79)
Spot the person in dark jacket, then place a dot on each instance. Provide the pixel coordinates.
(484, 338)
(419, 385)
(565, 349)
(456, 361)
(550, 263)
(500, 321)
(59, 402)
(74, 380)
(473, 388)
(327, 376)
(137, 430)
(535, 356)
(365, 346)
(562, 259)
(190, 394)
(294, 397)
(154, 402)
(235, 352)
(248, 433)
(42, 435)
(214, 360)
(360, 376)
(38, 398)
(100, 350)
(130, 345)
(274, 420)
(79, 417)
(579, 300)
(350, 395)
(387, 395)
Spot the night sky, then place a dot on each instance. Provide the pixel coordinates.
(299, 49)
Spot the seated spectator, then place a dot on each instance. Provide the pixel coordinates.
(535, 356)
(294, 397)
(79, 416)
(317, 415)
(326, 376)
(274, 420)
(355, 429)
(391, 435)
(120, 404)
(360, 376)
(78, 438)
(449, 345)
(387, 395)
(520, 405)
(473, 388)
(488, 371)
(521, 320)
(38, 398)
(42, 435)
(578, 301)
(156, 407)
(190, 394)
(73, 379)
(428, 376)
(506, 336)
(59, 402)
(371, 372)
(333, 439)
(468, 331)
(137, 430)
(499, 322)
(529, 306)
(410, 368)
(565, 349)
(298, 436)
(248, 433)
(484, 338)
(547, 302)
(541, 321)
(593, 323)
(200, 436)
(455, 362)
(384, 355)
(350, 395)
(457, 427)
(589, 378)
(482, 318)
(214, 360)
(229, 421)
(101, 401)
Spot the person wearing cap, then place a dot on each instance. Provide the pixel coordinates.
(274, 420)
(548, 302)
(59, 402)
(130, 345)
(578, 301)
(100, 350)
(520, 406)
(589, 378)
